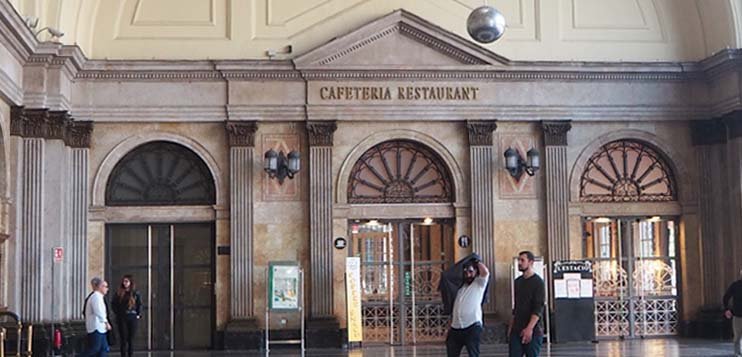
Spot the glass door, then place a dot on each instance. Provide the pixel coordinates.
(401, 265)
(172, 267)
(634, 274)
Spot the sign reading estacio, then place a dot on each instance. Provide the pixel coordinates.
(412, 93)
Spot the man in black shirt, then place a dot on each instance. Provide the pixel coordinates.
(734, 292)
(526, 329)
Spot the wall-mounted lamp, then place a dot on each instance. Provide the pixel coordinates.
(515, 164)
(280, 166)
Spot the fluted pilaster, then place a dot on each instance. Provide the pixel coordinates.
(320, 213)
(481, 154)
(556, 170)
(77, 253)
(32, 296)
(241, 162)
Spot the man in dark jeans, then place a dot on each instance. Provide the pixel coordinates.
(526, 329)
(734, 292)
(466, 319)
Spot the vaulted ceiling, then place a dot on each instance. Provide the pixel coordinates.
(583, 30)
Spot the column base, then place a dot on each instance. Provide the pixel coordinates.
(243, 334)
(324, 332)
(74, 337)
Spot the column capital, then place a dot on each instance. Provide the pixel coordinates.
(708, 132)
(555, 132)
(50, 124)
(321, 132)
(733, 121)
(480, 132)
(78, 134)
(241, 133)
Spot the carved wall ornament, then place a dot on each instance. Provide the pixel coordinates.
(241, 133)
(480, 132)
(321, 132)
(555, 132)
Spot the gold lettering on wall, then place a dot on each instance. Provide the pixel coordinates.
(410, 93)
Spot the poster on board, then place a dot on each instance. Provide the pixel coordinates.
(283, 285)
(353, 298)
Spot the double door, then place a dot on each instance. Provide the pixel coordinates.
(401, 265)
(173, 268)
(634, 274)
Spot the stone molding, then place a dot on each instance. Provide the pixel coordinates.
(241, 133)
(50, 124)
(555, 132)
(480, 132)
(321, 132)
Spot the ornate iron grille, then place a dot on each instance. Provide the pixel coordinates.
(160, 173)
(627, 171)
(400, 171)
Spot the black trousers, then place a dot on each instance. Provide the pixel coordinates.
(127, 326)
(468, 337)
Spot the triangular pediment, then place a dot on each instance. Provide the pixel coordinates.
(399, 39)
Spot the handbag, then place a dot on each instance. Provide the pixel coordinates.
(111, 338)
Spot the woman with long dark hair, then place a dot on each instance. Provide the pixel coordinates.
(127, 305)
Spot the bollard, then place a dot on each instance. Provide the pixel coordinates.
(2, 342)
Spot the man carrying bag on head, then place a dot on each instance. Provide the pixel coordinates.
(463, 290)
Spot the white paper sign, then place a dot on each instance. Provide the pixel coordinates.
(560, 288)
(586, 288)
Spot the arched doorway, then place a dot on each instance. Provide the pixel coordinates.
(634, 249)
(172, 262)
(402, 256)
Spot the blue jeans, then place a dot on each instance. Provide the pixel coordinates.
(532, 349)
(468, 337)
(97, 345)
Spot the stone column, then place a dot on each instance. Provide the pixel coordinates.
(241, 136)
(481, 155)
(320, 215)
(710, 138)
(556, 170)
(78, 139)
(242, 330)
(31, 296)
(733, 122)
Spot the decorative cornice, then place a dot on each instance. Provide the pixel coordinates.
(286, 75)
(241, 133)
(78, 134)
(148, 75)
(555, 132)
(321, 132)
(492, 74)
(708, 132)
(480, 132)
(49, 124)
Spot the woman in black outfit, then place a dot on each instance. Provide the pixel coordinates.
(127, 305)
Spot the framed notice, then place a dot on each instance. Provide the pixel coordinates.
(283, 285)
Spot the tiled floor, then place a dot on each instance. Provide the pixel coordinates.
(650, 348)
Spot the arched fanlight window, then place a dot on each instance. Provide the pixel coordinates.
(400, 171)
(627, 171)
(160, 173)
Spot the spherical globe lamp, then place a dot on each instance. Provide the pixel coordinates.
(485, 24)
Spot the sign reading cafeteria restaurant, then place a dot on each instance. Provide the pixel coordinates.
(411, 93)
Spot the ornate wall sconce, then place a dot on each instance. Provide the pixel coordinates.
(515, 164)
(280, 166)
